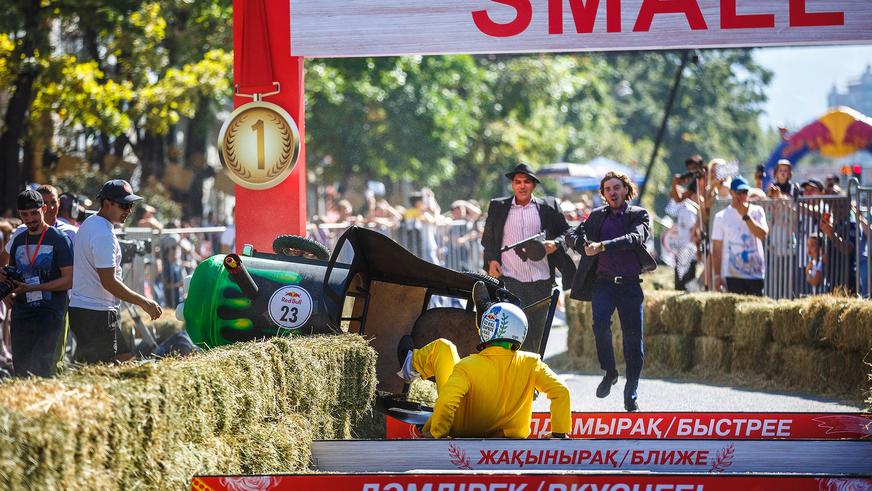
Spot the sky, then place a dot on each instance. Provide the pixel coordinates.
(804, 76)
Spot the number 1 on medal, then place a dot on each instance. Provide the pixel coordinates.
(258, 127)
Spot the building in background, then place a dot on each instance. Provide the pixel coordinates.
(858, 94)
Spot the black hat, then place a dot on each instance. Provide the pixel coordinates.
(29, 200)
(522, 169)
(119, 191)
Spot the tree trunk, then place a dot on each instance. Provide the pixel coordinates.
(13, 169)
(196, 141)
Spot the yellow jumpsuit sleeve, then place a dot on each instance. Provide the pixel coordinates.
(548, 383)
(447, 403)
(436, 359)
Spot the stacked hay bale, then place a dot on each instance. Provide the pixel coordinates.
(815, 344)
(246, 408)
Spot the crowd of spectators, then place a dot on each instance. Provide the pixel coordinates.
(812, 218)
(176, 249)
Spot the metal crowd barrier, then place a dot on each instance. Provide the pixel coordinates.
(861, 208)
(455, 244)
(151, 248)
(791, 223)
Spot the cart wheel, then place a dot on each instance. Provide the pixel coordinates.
(294, 245)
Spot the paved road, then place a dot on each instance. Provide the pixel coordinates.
(672, 395)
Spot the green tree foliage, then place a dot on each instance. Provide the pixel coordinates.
(125, 75)
(456, 122)
(716, 112)
(391, 118)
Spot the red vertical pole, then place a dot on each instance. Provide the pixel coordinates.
(262, 215)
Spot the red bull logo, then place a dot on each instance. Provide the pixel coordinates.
(838, 133)
(292, 297)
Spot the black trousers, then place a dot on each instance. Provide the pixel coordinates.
(681, 281)
(35, 342)
(745, 287)
(97, 333)
(530, 293)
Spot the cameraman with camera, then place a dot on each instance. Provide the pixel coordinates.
(39, 274)
(97, 287)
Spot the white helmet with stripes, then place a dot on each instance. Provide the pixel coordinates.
(503, 322)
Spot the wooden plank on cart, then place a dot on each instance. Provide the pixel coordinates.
(837, 457)
(524, 482)
(688, 425)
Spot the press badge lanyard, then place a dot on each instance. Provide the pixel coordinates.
(38, 244)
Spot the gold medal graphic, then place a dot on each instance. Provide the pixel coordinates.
(259, 144)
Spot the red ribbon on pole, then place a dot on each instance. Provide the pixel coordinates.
(256, 76)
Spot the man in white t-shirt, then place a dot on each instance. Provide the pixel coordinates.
(737, 243)
(97, 288)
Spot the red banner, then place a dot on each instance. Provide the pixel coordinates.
(518, 482)
(718, 426)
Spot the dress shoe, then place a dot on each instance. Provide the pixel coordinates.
(631, 405)
(481, 299)
(605, 387)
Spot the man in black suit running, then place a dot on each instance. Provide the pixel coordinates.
(613, 255)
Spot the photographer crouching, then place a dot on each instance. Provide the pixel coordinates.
(39, 274)
(97, 288)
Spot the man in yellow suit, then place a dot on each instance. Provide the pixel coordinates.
(488, 394)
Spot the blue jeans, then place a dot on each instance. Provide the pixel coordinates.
(628, 300)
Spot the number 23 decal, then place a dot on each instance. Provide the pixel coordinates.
(290, 307)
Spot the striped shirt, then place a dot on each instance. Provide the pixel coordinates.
(523, 222)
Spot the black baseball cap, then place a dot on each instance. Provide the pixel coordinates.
(29, 200)
(119, 191)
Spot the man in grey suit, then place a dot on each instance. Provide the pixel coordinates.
(515, 218)
(613, 255)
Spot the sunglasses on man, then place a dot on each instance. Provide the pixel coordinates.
(123, 206)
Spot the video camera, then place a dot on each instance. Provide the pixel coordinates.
(130, 248)
(11, 274)
(696, 174)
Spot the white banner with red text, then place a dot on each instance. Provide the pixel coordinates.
(727, 426)
(341, 28)
(518, 482)
(833, 457)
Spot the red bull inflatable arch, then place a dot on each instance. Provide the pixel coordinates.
(838, 133)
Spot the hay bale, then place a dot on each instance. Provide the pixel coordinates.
(655, 303)
(849, 326)
(799, 321)
(581, 342)
(682, 314)
(671, 351)
(753, 335)
(137, 425)
(579, 318)
(712, 354)
(423, 392)
(818, 370)
(718, 318)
